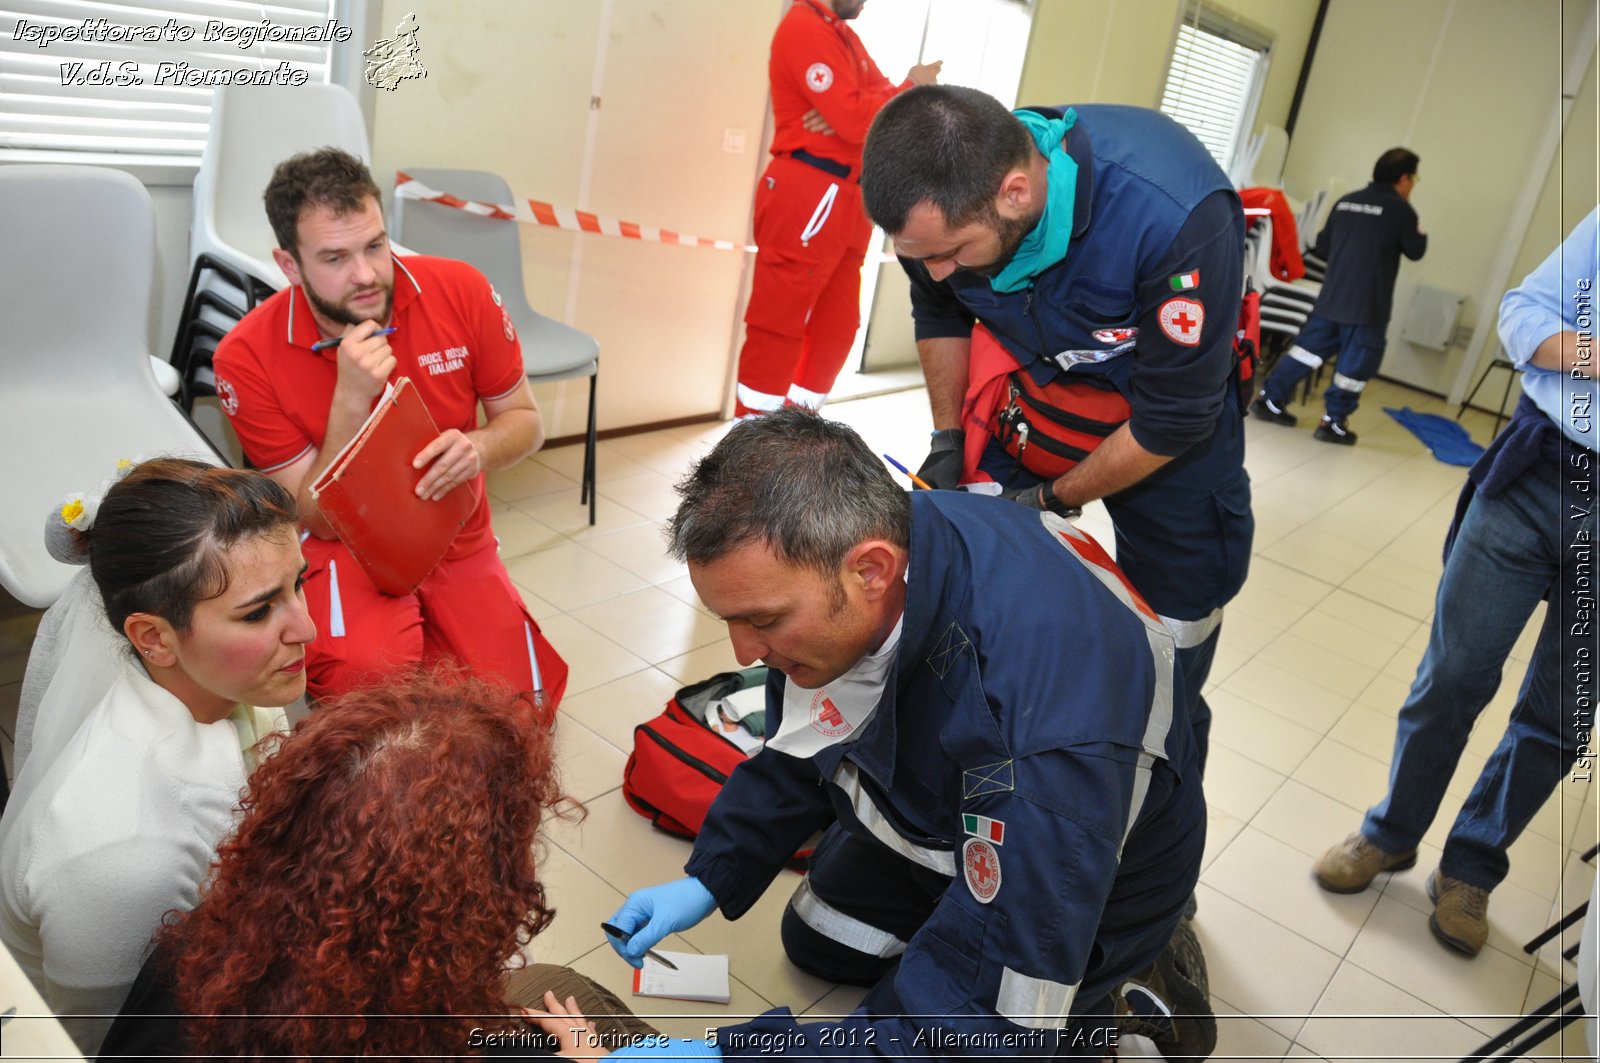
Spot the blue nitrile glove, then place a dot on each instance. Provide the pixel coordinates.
(659, 1047)
(650, 914)
(941, 469)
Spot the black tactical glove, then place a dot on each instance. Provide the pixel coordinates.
(942, 468)
(1040, 496)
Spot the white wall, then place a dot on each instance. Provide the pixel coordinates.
(1117, 51)
(172, 198)
(1469, 86)
(508, 89)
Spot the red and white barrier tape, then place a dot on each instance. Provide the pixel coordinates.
(536, 212)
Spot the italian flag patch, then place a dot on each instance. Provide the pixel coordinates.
(1184, 281)
(990, 830)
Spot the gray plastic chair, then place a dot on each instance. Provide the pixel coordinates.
(551, 351)
(78, 250)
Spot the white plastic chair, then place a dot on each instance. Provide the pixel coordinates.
(253, 129)
(1266, 169)
(1314, 219)
(1306, 218)
(1287, 302)
(1245, 161)
(77, 250)
(1285, 306)
(32, 1032)
(551, 351)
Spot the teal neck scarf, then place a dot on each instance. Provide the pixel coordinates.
(1047, 243)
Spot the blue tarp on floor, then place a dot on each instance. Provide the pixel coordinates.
(1449, 442)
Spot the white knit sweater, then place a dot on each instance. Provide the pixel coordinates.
(96, 846)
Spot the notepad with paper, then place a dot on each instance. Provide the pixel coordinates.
(368, 494)
(698, 977)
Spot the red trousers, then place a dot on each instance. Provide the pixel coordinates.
(467, 609)
(805, 301)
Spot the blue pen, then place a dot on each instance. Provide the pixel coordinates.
(322, 345)
(919, 481)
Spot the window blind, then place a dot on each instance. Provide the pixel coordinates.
(136, 77)
(1212, 83)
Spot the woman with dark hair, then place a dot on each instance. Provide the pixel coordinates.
(142, 731)
(379, 885)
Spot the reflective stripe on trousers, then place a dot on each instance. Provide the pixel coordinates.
(1305, 357)
(847, 930)
(1036, 1003)
(335, 607)
(1191, 633)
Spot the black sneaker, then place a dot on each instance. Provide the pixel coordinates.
(1334, 432)
(1266, 410)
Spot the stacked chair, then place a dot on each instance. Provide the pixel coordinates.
(253, 128)
(77, 248)
(1285, 305)
(551, 351)
(1311, 220)
(1308, 222)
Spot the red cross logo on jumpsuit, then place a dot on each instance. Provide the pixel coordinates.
(1181, 321)
(981, 865)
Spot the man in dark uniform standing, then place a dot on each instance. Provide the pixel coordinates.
(1101, 247)
(1365, 236)
(812, 233)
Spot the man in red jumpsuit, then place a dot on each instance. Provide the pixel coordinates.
(295, 407)
(809, 224)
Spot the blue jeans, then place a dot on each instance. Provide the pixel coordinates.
(1511, 552)
(1360, 353)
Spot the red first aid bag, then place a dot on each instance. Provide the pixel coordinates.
(1247, 347)
(678, 763)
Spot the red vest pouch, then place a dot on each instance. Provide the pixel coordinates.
(1049, 428)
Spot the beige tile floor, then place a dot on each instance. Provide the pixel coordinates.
(1315, 659)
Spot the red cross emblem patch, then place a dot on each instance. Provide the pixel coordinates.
(1181, 321)
(980, 863)
(819, 77)
(826, 717)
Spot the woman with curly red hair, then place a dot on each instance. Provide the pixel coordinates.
(379, 885)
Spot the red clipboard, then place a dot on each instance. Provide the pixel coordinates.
(369, 495)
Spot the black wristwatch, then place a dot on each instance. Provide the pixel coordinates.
(1049, 501)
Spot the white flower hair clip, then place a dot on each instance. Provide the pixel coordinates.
(69, 522)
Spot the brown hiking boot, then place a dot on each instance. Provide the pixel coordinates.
(1350, 866)
(1170, 1003)
(1460, 916)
